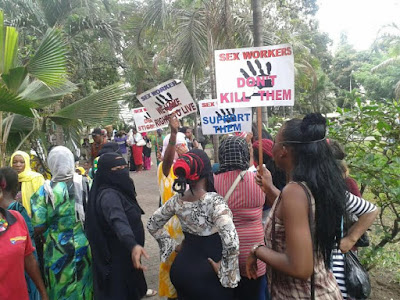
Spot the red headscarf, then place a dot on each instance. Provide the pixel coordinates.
(266, 146)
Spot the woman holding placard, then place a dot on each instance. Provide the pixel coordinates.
(305, 220)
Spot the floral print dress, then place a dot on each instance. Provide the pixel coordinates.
(204, 217)
(67, 256)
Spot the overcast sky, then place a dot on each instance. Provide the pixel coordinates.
(361, 19)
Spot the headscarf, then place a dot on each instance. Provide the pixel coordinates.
(266, 146)
(190, 168)
(61, 163)
(118, 180)
(233, 154)
(180, 139)
(110, 147)
(30, 181)
(27, 174)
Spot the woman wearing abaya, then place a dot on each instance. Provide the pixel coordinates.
(115, 232)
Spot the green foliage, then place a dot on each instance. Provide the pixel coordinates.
(371, 136)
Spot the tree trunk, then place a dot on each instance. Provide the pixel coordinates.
(59, 130)
(258, 35)
(210, 41)
(194, 87)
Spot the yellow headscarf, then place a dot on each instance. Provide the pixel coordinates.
(30, 180)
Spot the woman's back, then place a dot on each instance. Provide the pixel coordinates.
(246, 204)
(66, 250)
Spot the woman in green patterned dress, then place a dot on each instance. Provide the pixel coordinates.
(58, 212)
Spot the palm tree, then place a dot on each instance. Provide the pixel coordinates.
(390, 37)
(27, 90)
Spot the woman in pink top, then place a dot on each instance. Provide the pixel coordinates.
(246, 204)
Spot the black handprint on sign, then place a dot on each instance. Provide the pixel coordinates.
(147, 116)
(162, 99)
(266, 82)
(226, 114)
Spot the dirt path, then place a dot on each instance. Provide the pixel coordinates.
(148, 197)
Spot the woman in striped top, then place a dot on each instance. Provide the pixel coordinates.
(246, 204)
(366, 213)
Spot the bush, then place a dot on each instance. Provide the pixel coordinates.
(370, 134)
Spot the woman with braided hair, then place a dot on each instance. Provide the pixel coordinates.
(211, 244)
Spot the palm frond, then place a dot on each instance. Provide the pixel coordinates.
(43, 95)
(49, 62)
(21, 124)
(156, 14)
(385, 64)
(8, 46)
(15, 78)
(13, 103)
(192, 42)
(98, 108)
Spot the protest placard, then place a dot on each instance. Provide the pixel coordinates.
(170, 96)
(257, 76)
(216, 120)
(143, 121)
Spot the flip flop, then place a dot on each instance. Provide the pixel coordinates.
(150, 293)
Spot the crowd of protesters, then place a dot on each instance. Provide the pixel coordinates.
(234, 230)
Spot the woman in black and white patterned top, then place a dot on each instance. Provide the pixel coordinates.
(366, 213)
(207, 265)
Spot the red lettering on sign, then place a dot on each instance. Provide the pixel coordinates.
(208, 104)
(229, 56)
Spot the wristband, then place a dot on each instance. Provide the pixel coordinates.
(254, 249)
(171, 143)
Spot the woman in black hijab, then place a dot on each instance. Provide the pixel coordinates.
(115, 232)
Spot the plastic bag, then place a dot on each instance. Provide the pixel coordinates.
(357, 279)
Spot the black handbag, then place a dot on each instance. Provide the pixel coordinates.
(357, 279)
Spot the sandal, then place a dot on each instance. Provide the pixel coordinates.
(150, 293)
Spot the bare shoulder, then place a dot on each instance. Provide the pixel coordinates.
(294, 197)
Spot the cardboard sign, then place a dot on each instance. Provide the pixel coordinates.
(258, 76)
(170, 96)
(215, 120)
(143, 121)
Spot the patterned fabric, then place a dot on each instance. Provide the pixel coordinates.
(285, 287)
(204, 217)
(173, 227)
(233, 154)
(246, 204)
(358, 206)
(66, 251)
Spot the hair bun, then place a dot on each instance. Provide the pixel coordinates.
(312, 119)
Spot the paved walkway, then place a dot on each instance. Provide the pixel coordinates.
(148, 197)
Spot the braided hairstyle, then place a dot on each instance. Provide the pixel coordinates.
(190, 168)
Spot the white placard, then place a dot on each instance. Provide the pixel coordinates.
(143, 121)
(170, 96)
(258, 76)
(215, 120)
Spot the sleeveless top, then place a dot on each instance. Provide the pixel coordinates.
(286, 287)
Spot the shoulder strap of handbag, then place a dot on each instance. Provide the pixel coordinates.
(311, 224)
(234, 185)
